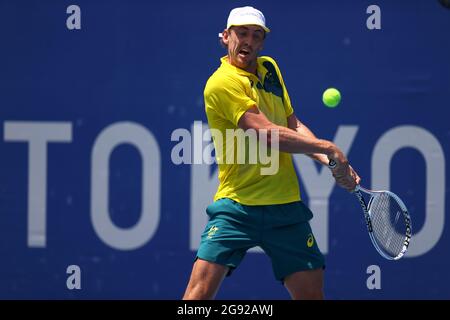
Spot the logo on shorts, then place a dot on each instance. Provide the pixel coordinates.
(310, 241)
(212, 231)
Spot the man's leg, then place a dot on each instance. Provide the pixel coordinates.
(305, 285)
(206, 278)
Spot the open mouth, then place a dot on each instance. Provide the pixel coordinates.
(244, 52)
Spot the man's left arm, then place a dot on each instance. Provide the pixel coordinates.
(297, 125)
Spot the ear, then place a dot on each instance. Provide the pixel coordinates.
(225, 35)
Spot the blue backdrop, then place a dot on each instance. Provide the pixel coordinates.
(86, 118)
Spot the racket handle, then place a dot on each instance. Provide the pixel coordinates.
(332, 164)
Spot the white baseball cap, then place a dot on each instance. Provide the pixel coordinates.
(247, 16)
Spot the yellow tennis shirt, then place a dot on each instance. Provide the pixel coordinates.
(228, 94)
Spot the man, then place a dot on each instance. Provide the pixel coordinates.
(251, 209)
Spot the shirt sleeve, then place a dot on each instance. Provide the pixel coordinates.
(229, 98)
(287, 102)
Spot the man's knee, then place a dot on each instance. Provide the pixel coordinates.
(205, 280)
(199, 291)
(306, 285)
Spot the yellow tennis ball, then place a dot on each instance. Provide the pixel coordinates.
(331, 97)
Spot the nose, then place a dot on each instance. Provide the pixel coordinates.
(248, 41)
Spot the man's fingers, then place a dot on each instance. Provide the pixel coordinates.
(346, 177)
(355, 176)
(340, 172)
(347, 182)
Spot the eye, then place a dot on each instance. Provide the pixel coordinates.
(257, 36)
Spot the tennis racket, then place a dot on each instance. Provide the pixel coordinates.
(387, 221)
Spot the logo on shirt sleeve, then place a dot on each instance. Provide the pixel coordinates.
(212, 231)
(272, 83)
(310, 241)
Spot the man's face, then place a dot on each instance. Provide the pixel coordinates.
(244, 43)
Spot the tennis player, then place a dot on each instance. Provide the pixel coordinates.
(251, 209)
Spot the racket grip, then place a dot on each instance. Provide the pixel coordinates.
(332, 164)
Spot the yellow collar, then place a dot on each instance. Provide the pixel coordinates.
(229, 66)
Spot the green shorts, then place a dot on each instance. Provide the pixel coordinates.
(282, 231)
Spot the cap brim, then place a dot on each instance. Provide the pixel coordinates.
(251, 24)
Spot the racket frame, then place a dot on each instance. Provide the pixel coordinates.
(366, 210)
(367, 216)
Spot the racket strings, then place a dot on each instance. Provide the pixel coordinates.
(388, 224)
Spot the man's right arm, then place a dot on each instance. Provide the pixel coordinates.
(292, 142)
(289, 140)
